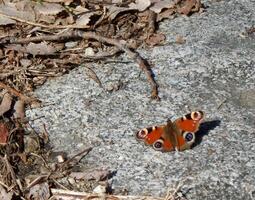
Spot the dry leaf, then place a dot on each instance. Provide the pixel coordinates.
(91, 74)
(158, 5)
(79, 9)
(6, 21)
(19, 110)
(155, 38)
(66, 2)
(4, 134)
(10, 9)
(25, 62)
(117, 1)
(166, 14)
(16, 47)
(40, 49)
(180, 40)
(98, 175)
(84, 19)
(48, 8)
(39, 192)
(140, 5)
(100, 189)
(188, 6)
(5, 103)
(113, 11)
(4, 194)
(89, 52)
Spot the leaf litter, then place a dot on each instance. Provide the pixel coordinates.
(43, 39)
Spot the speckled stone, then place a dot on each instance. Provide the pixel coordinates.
(208, 72)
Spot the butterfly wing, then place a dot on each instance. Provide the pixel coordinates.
(185, 128)
(174, 135)
(155, 136)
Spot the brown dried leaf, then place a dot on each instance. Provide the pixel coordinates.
(98, 175)
(25, 62)
(39, 192)
(10, 9)
(113, 11)
(158, 5)
(91, 74)
(188, 6)
(4, 194)
(79, 9)
(166, 14)
(16, 47)
(140, 5)
(155, 38)
(4, 134)
(117, 1)
(250, 31)
(6, 21)
(25, 5)
(40, 49)
(48, 8)
(180, 39)
(5, 103)
(66, 2)
(19, 110)
(84, 19)
(31, 144)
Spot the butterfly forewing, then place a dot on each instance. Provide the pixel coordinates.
(190, 122)
(150, 135)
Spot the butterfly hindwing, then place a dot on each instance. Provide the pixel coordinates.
(187, 126)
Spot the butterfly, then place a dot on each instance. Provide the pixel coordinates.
(177, 135)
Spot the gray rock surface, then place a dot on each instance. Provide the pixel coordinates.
(213, 71)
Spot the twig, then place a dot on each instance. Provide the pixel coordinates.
(67, 194)
(38, 180)
(85, 152)
(4, 185)
(44, 161)
(42, 25)
(58, 37)
(14, 72)
(171, 195)
(221, 103)
(6, 103)
(92, 74)
(59, 184)
(17, 93)
(120, 44)
(133, 55)
(152, 22)
(10, 169)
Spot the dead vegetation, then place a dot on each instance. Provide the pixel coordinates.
(43, 39)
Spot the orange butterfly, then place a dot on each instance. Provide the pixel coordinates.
(177, 135)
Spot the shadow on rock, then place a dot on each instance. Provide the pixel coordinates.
(204, 129)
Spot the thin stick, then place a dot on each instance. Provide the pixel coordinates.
(133, 55)
(221, 104)
(4, 185)
(42, 25)
(86, 151)
(92, 74)
(64, 194)
(10, 169)
(16, 93)
(39, 179)
(120, 44)
(58, 37)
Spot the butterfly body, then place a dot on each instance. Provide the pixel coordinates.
(177, 135)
